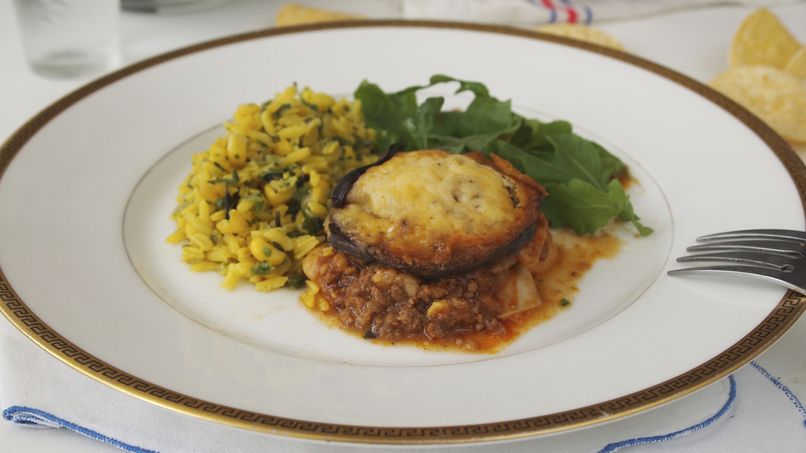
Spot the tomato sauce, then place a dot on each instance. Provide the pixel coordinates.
(557, 287)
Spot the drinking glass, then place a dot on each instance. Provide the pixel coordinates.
(67, 38)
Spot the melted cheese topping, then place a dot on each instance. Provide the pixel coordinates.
(427, 194)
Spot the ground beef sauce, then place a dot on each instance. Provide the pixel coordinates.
(385, 303)
(459, 313)
(444, 251)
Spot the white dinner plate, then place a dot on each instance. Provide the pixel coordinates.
(88, 186)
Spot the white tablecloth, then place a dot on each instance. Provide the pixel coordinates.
(694, 42)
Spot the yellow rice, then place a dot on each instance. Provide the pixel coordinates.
(253, 204)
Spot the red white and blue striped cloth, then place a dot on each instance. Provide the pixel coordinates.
(566, 11)
(534, 12)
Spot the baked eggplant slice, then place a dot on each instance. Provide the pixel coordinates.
(434, 214)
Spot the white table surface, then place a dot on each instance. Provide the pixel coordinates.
(694, 42)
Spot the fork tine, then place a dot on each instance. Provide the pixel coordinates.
(762, 259)
(753, 271)
(785, 248)
(792, 235)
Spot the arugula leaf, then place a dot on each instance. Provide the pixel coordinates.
(481, 142)
(419, 124)
(398, 120)
(453, 133)
(627, 213)
(570, 157)
(539, 167)
(488, 115)
(476, 88)
(582, 195)
(581, 206)
(578, 157)
(386, 112)
(612, 166)
(578, 173)
(584, 208)
(532, 136)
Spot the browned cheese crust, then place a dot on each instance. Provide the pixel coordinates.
(435, 214)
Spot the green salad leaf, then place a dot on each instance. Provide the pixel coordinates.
(581, 176)
(584, 208)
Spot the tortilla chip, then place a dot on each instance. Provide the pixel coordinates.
(797, 64)
(777, 97)
(293, 14)
(582, 33)
(762, 40)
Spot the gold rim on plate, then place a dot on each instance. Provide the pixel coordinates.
(785, 313)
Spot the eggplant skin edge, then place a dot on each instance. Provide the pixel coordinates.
(338, 197)
(341, 242)
(463, 256)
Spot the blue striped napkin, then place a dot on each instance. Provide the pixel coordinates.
(753, 410)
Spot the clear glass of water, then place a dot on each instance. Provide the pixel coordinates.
(68, 38)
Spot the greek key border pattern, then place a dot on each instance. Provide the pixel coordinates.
(771, 328)
(774, 325)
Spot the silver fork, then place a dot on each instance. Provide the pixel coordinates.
(775, 255)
